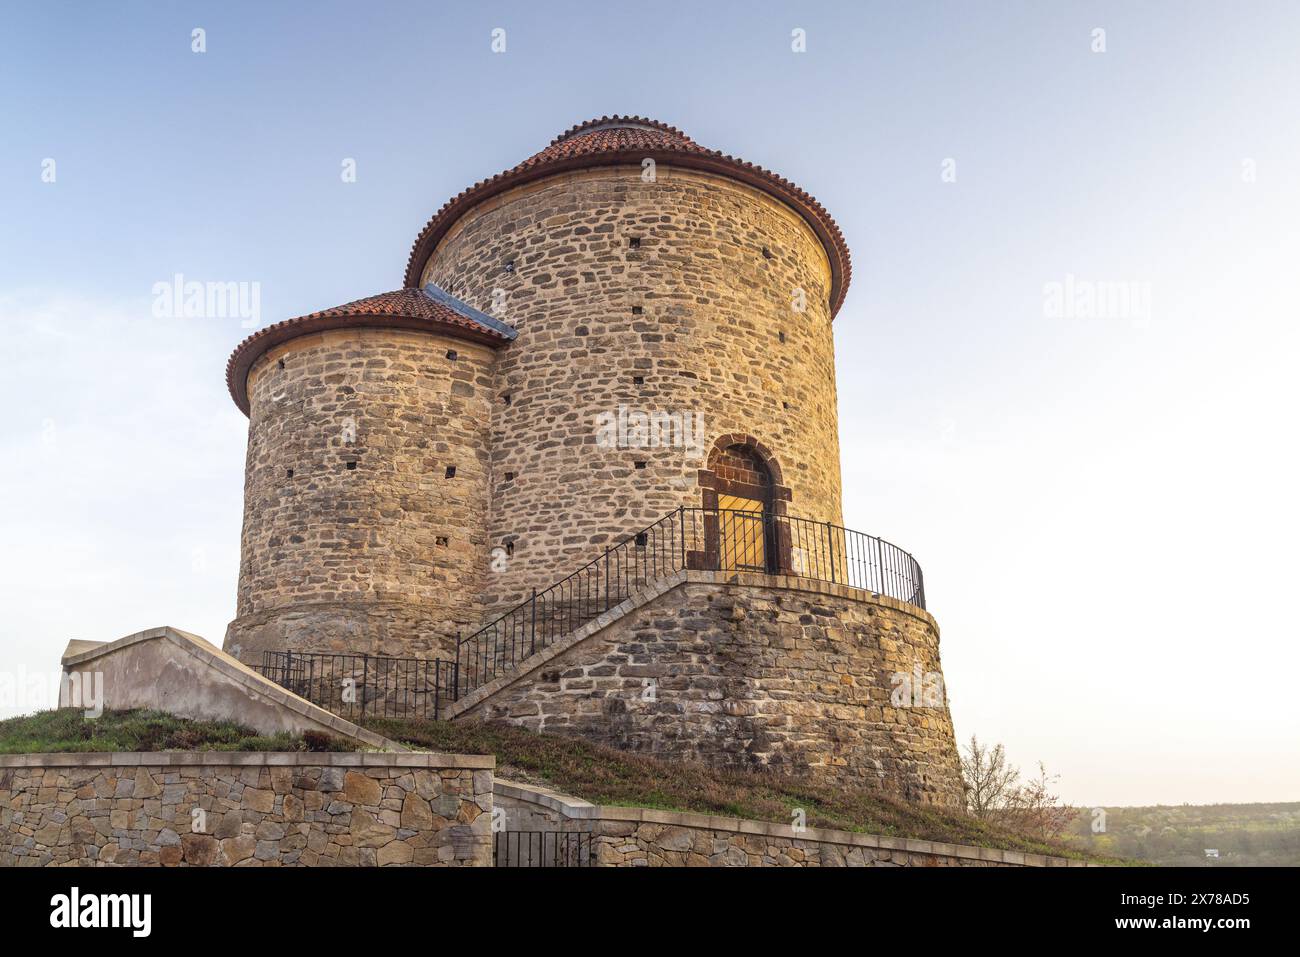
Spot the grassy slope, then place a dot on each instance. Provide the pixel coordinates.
(69, 730)
(604, 775)
(593, 772)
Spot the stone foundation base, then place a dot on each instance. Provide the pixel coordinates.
(739, 670)
(399, 629)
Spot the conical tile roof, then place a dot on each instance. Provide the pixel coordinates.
(615, 140)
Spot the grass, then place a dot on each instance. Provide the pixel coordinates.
(604, 775)
(68, 729)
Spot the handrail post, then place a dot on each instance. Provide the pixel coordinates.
(830, 547)
(533, 646)
(455, 672)
(365, 679)
(607, 578)
(681, 514)
(437, 688)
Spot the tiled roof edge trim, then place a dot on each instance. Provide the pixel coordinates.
(372, 312)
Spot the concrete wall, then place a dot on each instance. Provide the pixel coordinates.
(716, 337)
(245, 809)
(743, 671)
(165, 669)
(387, 557)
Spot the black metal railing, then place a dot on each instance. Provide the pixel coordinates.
(543, 849)
(689, 538)
(360, 686)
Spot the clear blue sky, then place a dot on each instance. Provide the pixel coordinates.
(1105, 508)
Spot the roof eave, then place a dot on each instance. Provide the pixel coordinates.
(257, 345)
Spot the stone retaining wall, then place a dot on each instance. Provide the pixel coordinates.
(739, 670)
(246, 809)
(645, 837)
(667, 839)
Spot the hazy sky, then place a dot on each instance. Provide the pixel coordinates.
(1105, 508)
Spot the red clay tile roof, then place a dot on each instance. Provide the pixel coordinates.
(613, 140)
(399, 309)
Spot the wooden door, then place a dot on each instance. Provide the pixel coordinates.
(742, 534)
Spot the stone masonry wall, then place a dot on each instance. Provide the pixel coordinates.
(700, 311)
(259, 809)
(650, 837)
(745, 671)
(649, 844)
(386, 557)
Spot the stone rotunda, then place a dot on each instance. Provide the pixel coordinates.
(586, 460)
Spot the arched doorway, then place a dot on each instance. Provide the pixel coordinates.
(742, 496)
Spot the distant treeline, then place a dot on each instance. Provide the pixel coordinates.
(1243, 834)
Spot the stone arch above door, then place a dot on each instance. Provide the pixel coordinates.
(729, 471)
(742, 474)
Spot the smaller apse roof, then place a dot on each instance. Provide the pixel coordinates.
(428, 310)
